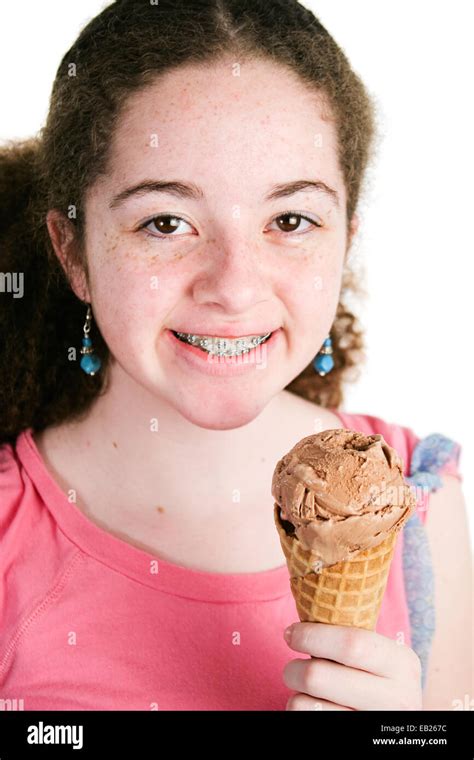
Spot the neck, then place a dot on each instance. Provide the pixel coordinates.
(142, 438)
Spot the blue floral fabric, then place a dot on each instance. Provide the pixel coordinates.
(428, 457)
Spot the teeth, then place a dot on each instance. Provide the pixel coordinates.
(223, 346)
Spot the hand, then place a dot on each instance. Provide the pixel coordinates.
(351, 669)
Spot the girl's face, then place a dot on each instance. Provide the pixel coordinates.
(239, 243)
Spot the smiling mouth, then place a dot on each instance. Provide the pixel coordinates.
(223, 346)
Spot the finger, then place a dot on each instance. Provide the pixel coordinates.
(356, 647)
(340, 684)
(305, 702)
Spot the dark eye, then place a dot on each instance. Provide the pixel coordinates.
(166, 224)
(291, 220)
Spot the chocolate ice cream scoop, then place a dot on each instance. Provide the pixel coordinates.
(341, 492)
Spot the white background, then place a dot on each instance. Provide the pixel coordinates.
(416, 215)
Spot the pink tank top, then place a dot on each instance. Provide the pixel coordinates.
(90, 622)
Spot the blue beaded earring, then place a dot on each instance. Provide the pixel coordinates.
(90, 362)
(323, 361)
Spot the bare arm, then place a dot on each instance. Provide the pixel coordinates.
(449, 682)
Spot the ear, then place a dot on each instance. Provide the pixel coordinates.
(61, 232)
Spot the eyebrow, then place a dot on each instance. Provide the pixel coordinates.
(191, 191)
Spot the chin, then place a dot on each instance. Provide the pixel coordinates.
(213, 416)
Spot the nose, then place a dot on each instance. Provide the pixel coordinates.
(234, 277)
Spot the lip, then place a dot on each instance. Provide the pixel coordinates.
(239, 331)
(195, 358)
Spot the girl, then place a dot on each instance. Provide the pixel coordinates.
(188, 209)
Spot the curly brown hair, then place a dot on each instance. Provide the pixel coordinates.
(118, 52)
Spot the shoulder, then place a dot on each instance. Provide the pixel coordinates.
(401, 437)
(10, 484)
(19, 503)
(427, 459)
(395, 434)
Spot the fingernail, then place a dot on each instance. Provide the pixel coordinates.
(287, 634)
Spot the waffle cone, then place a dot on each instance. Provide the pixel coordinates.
(348, 593)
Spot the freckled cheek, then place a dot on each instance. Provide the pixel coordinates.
(310, 294)
(311, 287)
(132, 305)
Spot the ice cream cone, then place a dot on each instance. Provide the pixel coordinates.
(347, 593)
